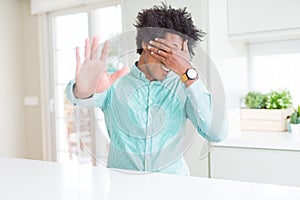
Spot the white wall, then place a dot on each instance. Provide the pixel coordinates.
(132, 7)
(12, 135)
(229, 57)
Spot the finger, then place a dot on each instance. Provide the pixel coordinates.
(87, 50)
(160, 46)
(154, 49)
(158, 51)
(162, 53)
(95, 47)
(164, 42)
(118, 74)
(105, 51)
(159, 57)
(78, 63)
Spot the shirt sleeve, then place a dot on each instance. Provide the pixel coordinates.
(199, 109)
(97, 100)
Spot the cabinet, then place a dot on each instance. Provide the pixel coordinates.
(195, 152)
(256, 165)
(263, 19)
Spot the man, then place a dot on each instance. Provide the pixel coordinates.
(146, 107)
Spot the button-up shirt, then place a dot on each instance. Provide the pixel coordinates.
(146, 120)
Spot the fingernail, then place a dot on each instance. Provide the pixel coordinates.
(149, 47)
(150, 42)
(156, 39)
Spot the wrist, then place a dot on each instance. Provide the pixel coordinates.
(190, 82)
(75, 91)
(184, 68)
(189, 75)
(79, 94)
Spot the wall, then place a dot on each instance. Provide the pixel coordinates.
(31, 86)
(20, 133)
(132, 7)
(12, 134)
(229, 57)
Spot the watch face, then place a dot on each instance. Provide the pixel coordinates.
(191, 73)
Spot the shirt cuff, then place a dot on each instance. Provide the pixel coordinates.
(77, 101)
(196, 89)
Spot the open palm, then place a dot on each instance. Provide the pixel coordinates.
(91, 75)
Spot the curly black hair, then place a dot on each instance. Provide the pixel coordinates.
(159, 20)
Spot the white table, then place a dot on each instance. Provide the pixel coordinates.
(38, 180)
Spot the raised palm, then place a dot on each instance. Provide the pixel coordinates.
(91, 75)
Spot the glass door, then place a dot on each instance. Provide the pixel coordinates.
(78, 140)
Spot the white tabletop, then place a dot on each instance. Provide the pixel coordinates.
(38, 180)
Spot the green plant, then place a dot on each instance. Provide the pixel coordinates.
(255, 100)
(279, 100)
(295, 117)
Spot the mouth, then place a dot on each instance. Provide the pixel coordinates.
(165, 68)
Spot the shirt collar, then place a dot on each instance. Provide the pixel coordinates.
(137, 72)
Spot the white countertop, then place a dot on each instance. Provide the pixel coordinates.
(263, 140)
(38, 180)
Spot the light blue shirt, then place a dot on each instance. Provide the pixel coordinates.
(146, 120)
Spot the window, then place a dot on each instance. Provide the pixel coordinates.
(276, 66)
(70, 29)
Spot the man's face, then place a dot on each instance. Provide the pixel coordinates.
(155, 70)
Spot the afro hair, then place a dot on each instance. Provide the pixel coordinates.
(159, 20)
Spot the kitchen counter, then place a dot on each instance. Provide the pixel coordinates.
(263, 140)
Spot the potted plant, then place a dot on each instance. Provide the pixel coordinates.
(266, 112)
(255, 100)
(295, 121)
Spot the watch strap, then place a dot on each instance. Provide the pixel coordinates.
(184, 78)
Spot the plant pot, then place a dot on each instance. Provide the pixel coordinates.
(264, 119)
(295, 128)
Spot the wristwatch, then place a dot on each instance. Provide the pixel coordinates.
(190, 74)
